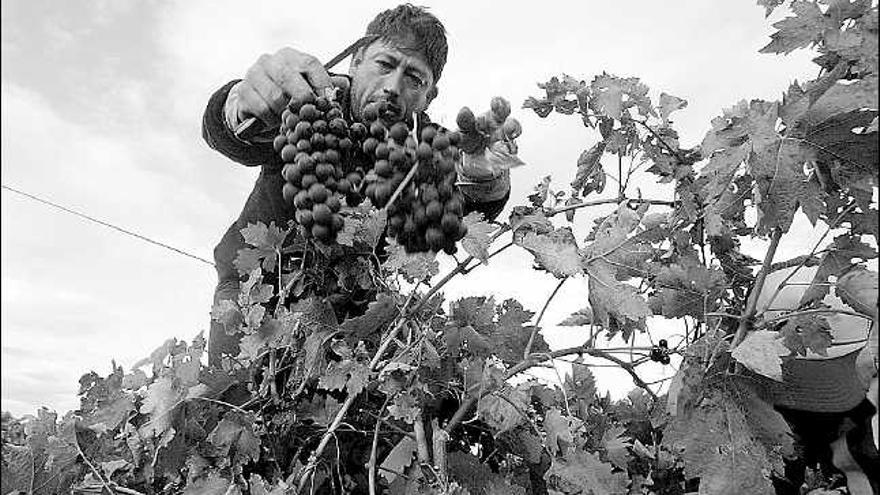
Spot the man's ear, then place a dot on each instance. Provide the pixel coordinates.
(432, 93)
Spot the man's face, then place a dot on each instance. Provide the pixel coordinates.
(384, 72)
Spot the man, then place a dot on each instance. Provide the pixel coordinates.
(830, 401)
(400, 61)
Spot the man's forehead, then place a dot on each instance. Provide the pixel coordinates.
(400, 51)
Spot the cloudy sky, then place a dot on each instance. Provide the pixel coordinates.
(101, 109)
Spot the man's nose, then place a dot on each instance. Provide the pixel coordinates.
(393, 85)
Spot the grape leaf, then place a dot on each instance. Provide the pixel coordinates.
(213, 484)
(162, 396)
(400, 457)
(363, 225)
(571, 201)
(838, 258)
(858, 289)
(803, 29)
(539, 196)
(234, 437)
(477, 241)
(616, 306)
(730, 439)
(761, 352)
(559, 435)
(458, 338)
(581, 384)
(669, 104)
(590, 175)
(504, 409)
(807, 332)
(405, 407)
(583, 472)
(266, 242)
(413, 266)
(379, 313)
(770, 5)
(581, 317)
(556, 252)
(615, 444)
(687, 288)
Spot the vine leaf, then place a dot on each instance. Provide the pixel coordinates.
(539, 196)
(687, 288)
(615, 444)
(364, 225)
(761, 352)
(669, 104)
(477, 241)
(503, 410)
(858, 289)
(807, 332)
(583, 472)
(161, 397)
(581, 317)
(731, 439)
(266, 242)
(379, 313)
(556, 252)
(414, 267)
(581, 384)
(837, 259)
(400, 457)
(559, 435)
(234, 437)
(590, 175)
(799, 31)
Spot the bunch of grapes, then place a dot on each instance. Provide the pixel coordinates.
(660, 352)
(314, 143)
(427, 213)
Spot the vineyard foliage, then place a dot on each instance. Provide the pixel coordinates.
(355, 376)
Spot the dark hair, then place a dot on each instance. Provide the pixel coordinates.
(413, 29)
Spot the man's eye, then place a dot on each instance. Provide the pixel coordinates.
(415, 81)
(386, 66)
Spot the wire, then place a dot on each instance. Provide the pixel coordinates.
(106, 224)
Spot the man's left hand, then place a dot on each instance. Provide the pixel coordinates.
(489, 146)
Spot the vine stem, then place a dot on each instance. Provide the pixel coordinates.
(371, 466)
(537, 327)
(752, 302)
(814, 312)
(563, 209)
(343, 410)
(536, 359)
(92, 466)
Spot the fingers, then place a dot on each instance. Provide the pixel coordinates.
(492, 126)
(274, 80)
(292, 62)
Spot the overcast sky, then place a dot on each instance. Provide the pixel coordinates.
(101, 110)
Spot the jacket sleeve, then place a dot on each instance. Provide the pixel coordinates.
(489, 209)
(219, 137)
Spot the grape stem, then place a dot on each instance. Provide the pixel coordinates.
(537, 326)
(660, 202)
(406, 180)
(536, 359)
(752, 303)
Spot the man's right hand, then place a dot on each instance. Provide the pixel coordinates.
(273, 81)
